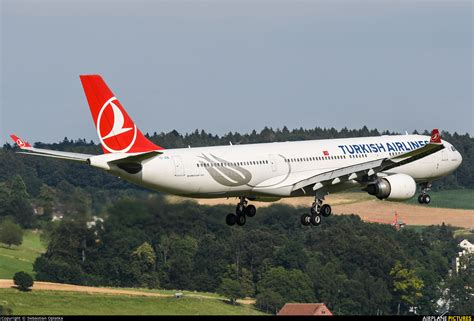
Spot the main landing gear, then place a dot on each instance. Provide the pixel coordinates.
(317, 210)
(424, 198)
(242, 211)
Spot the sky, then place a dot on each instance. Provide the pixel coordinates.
(237, 65)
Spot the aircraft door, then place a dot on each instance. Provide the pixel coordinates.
(444, 155)
(273, 162)
(178, 166)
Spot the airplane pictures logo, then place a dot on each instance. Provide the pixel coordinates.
(116, 131)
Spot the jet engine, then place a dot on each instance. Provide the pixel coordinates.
(397, 187)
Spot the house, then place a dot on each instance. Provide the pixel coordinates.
(467, 248)
(304, 309)
(466, 245)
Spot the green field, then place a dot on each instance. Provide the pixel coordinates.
(20, 258)
(173, 292)
(461, 199)
(75, 303)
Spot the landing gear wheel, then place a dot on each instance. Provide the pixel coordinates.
(231, 219)
(420, 199)
(250, 211)
(326, 210)
(305, 219)
(241, 220)
(426, 199)
(316, 220)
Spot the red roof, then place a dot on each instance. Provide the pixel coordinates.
(304, 309)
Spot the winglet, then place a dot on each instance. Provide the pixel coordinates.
(435, 137)
(20, 142)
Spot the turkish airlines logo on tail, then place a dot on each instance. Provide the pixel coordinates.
(20, 143)
(435, 136)
(116, 131)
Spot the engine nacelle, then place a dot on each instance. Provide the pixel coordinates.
(397, 187)
(99, 161)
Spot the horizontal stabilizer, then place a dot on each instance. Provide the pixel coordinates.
(27, 149)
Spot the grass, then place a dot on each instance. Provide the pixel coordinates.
(173, 292)
(461, 199)
(75, 303)
(20, 258)
(464, 234)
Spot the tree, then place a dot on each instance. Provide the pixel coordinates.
(459, 292)
(291, 285)
(143, 266)
(18, 187)
(145, 256)
(270, 301)
(23, 281)
(246, 283)
(10, 233)
(243, 277)
(231, 289)
(15, 202)
(46, 199)
(22, 211)
(181, 262)
(291, 256)
(72, 245)
(406, 284)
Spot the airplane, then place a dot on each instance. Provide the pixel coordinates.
(387, 167)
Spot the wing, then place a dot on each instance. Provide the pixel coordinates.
(28, 149)
(360, 170)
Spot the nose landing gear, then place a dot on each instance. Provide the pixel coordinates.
(424, 198)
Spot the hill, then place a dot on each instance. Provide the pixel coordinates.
(151, 242)
(20, 258)
(81, 303)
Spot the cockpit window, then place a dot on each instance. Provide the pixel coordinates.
(453, 148)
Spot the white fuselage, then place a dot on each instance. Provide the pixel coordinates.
(266, 170)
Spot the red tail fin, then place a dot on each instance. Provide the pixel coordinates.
(20, 142)
(117, 131)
